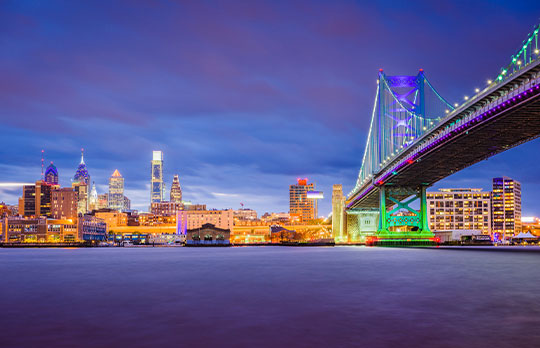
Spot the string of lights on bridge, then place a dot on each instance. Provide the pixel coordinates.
(527, 54)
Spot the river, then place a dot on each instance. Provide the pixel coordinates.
(268, 297)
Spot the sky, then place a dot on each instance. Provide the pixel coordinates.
(243, 97)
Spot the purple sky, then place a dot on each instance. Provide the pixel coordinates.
(242, 97)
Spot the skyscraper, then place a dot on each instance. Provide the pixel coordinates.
(82, 175)
(82, 195)
(116, 191)
(93, 198)
(176, 190)
(506, 207)
(156, 182)
(338, 202)
(299, 205)
(51, 175)
(36, 199)
(81, 181)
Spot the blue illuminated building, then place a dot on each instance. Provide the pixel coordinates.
(51, 175)
(81, 175)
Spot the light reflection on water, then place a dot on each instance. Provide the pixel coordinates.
(268, 296)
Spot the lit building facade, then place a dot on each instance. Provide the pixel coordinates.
(93, 198)
(60, 230)
(51, 175)
(156, 183)
(338, 213)
(127, 203)
(165, 208)
(176, 190)
(459, 209)
(103, 201)
(116, 191)
(64, 203)
(82, 195)
(299, 205)
(91, 228)
(16, 229)
(506, 207)
(81, 174)
(245, 214)
(112, 218)
(36, 199)
(208, 234)
(190, 219)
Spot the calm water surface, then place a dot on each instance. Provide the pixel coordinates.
(268, 297)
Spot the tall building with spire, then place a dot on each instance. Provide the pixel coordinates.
(116, 191)
(93, 198)
(82, 175)
(80, 183)
(51, 175)
(156, 182)
(176, 190)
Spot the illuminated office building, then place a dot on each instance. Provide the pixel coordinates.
(64, 203)
(127, 203)
(36, 199)
(338, 212)
(299, 205)
(51, 175)
(93, 198)
(82, 195)
(81, 175)
(459, 209)
(116, 191)
(176, 190)
(156, 184)
(103, 201)
(506, 207)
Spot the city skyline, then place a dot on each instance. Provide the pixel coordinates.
(229, 144)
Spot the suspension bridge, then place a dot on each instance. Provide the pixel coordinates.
(417, 138)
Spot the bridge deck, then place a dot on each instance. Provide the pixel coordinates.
(514, 118)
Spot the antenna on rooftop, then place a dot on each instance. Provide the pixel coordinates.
(42, 163)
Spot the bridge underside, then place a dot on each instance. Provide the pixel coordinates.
(509, 128)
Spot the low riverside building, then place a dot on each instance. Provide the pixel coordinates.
(16, 229)
(208, 234)
(59, 231)
(112, 218)
(91, 228)
(190, 219)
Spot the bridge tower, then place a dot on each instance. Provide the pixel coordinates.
(406, 107)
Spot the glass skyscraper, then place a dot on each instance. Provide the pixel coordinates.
(156, 183)
(116, 191)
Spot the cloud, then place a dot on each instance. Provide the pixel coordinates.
(242, 97)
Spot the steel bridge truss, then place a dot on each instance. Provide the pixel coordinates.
(402, 214)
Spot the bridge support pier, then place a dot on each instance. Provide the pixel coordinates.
(399, 223)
